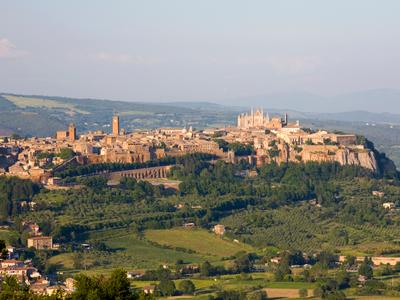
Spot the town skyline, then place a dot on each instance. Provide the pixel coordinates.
(256, 138)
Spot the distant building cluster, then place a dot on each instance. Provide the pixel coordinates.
(29, 275)
(69, 134)
(25, 272)
(272, 138)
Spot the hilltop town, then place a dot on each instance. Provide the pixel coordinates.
(241, 196)
(267, 139)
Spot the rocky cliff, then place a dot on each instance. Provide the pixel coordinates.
(343, 155)
(366, 157)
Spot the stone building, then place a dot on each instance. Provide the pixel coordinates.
(62, 135)
(115, 125)
(40, 242)
(72, 132)
(253, 120)
(257, 119)
(219, 229)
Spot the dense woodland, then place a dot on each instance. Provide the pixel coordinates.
(14, 193)
(253, 207)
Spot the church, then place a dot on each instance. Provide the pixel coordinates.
(257, 119)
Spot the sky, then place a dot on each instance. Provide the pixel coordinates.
(184, 50)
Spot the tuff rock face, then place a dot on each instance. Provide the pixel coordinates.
(344, 156)
(360, 156)
(364, 159)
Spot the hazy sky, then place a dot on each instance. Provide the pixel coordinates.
(197, 50)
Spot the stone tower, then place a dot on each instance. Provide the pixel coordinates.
(115, 125)
(72, 132)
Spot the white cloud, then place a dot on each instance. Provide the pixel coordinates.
(9, 50)
(122, 58)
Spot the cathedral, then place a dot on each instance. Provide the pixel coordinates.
(257, 119)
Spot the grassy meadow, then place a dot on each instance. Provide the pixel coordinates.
(158, 247)
(199, 240)
(9, 236)
(24, 102)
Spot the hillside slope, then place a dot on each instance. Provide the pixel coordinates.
(48, 114)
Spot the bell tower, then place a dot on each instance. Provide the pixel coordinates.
(72, 132)
(115, 125)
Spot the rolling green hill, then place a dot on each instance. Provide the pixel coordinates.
(92, 114)
(322, 210)
(198, 240)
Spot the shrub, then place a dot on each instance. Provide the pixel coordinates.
(257, 295)
(187, 287)
(167, 287)
(303, 293)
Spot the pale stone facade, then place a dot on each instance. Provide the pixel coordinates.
(257, 119)
(40, 242)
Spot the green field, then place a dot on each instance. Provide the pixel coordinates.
(8, 235)
(135, 112)
(260, 279)
(138, 256)
(63, 260)
(198, 240)
(127, 251)
(371, 249)
(373, 298)
(24, 102)
(131, 252)
(140, 253)
(199, 283)
(236, 282)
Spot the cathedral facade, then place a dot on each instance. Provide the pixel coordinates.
(257, 119)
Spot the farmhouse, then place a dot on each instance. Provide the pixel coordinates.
(40, 242)
(189, 225)
(389, 205)
(134, 274)
(149, 289)
(219, 229)
(378, 194)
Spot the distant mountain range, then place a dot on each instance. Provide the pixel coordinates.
(373, 101)
(374, 106)
(43, 115)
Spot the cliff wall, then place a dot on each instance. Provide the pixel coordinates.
(361, 156)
